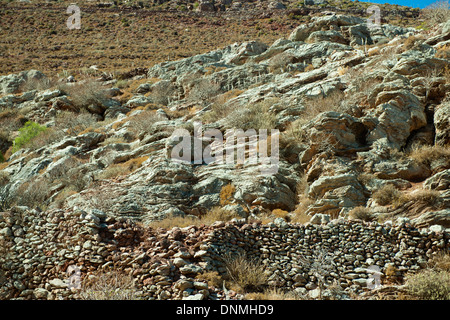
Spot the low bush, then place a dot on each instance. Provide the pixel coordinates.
(85, 93)
(437, 12)
(386, 195)
(74, 123)
(109, 285)
(333, 101)
(428, 154)
(213, 278)
(245, 274)
(143, 122)
(429, 285)
(427, 197)
(33, 193)
(361, 213)
(121, 169)
(253, 116)
(203, 90)
(28, 132)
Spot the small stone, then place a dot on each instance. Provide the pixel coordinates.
(58, 284)
(40, 293)
(180, 262)
(200, 285)
(314, 294)
(198, 296)
(190, 269)
(183, 284)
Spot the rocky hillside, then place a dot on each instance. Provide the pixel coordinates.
(120, 35)
(359, 178)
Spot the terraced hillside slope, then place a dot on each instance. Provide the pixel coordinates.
(352, 200)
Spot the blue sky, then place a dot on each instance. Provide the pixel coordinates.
(409, 3)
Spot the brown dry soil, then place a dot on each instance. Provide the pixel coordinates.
(116, 39)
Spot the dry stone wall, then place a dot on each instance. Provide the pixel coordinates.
(350, 247)
(39, 248)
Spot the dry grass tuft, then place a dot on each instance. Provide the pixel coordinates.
(429, 285)
(273, 294)
(428, 154)
(387, 195)
(122, 169)
(361, 213)
(226, 194)
(109, 285)
(246, 275)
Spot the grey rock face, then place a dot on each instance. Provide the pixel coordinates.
(11, 83)
(442, 124)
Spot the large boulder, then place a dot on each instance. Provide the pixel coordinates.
(330, 35)
(409, 170)
(12, 83)
(446, 27)
(397, 114)
(442, 124)
(302, 32)
(441, 217)
(439, 181)
(334, 131)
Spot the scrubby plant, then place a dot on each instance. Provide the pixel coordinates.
(4, 178)
(361, 213)
(428, 154)
(332, 101)
(386, 195)
(162, 92)
(429, 285)
(203, 90)
(253, 116)
(39, 84)
(426, 197)
(32, 193)
(437, 12)
(320, 264)
(213, 278)
(121, 169)
(280, 62)
(109, 285)
(143, 122)
(218, 214)
(87, 92)
(28, 132)
(227, 194)
(73, 123)
(292, 139)
(246, 274)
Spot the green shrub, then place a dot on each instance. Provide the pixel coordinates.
(26, 134)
